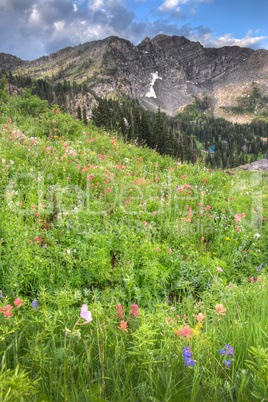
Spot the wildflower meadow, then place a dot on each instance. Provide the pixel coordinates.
(125, 275)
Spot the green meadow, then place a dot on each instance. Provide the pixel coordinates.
(126, 275)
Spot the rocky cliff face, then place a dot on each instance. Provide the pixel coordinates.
(163, 71)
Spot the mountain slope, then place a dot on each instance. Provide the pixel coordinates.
(164, 71)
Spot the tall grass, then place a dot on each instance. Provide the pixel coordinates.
(89, 219)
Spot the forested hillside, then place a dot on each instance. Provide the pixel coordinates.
(194, 134)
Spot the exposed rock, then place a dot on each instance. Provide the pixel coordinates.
(257, 165)
(114, 66)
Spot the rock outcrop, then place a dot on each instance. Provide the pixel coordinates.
(171, 69)
(257, 165)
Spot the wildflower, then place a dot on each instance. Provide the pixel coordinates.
(123, 326)
(134, 310)
(227, 238)
(227, 363)
(219, 309)
(252, 279)
(85, 313)
(170, 251)
(9, 307)
(120, 310)
(157, 248)
(259, 279)
(35, 304)
(259, 267)
(8, 314)
(36, 238)
(219, 269)
(186, 352)
(228, 350)
(200, 317)
(186, 331)
(18, 302)
(187, 357)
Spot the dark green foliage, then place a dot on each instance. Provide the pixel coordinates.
(79, 113)
(84, 116)
(101, 114)
(174, 136)
(3, 94)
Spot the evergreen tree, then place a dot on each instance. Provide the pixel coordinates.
(101, 114)
(79, 114)
(3, 94)
(84, 115)
(145, 133)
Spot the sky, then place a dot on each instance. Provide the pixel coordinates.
(33, 28)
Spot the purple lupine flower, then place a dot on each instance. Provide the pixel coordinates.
(189, 361)
(259, 267)
(228, 350)
(187, 356)
(227, 363)
(35, 304)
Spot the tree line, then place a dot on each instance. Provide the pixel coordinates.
(191, 135)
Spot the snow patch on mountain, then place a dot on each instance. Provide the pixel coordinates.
(151, 93)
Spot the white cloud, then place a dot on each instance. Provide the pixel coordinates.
(95, 5)
(33, 28)
(228, 40)
(168, 6)
(34, 16)
(59, 25)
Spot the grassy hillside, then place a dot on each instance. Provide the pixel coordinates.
(164, 255)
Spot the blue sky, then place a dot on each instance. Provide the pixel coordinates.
(32, 28)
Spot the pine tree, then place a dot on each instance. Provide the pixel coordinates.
(79, 114)
(101, 115)
(3, 82)
(145, 133)
(84, 115)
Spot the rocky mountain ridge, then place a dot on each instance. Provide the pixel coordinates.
(164, 71)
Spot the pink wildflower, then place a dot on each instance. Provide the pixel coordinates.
(134, 310)
(123, 326)
(219, 309)
(8, 314)
(18, 302)
(200, 317)
(120, 310)
(252, 279)
(85, 313)
(170, 251)
(219, 269)
(186, 331)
